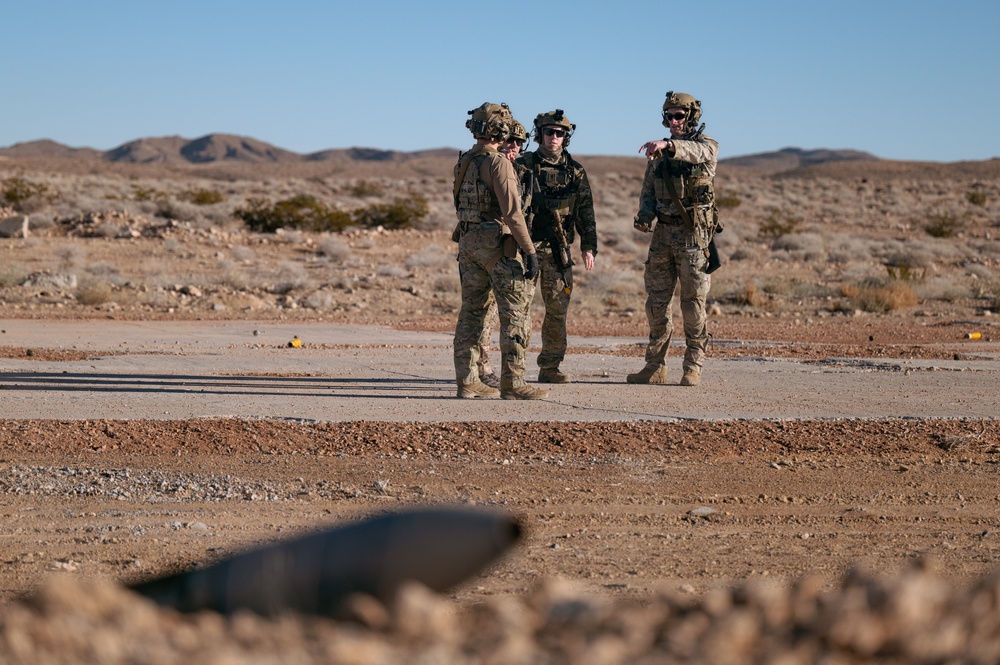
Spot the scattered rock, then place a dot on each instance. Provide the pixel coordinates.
(15, 227)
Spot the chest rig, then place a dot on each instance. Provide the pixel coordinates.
(556, 184)
(692, 186)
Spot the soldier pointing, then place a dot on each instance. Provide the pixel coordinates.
(677, 205)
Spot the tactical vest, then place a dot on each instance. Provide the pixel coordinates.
(696, 191)
(557, 183)
(474, 200)
(694, 187)
(556, 189)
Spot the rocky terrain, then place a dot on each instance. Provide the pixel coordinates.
(859, 541)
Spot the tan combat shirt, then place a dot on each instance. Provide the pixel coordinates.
(499, 175)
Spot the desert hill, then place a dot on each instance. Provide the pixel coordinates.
(214, 148)
(228, 156)
(211, 148)
(787, 159)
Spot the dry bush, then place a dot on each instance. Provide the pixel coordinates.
(403, 212)
(290, 277)
(201, 197)
(92, 292)
(847, 248)
(239, 279)
(389, 270)
(728, 201)
(11, 274)
(942, 225)
(333, 248)
(431, 256)
(801, 246)
(106, 272)
(778, 224)
(366, 188)
(320, 300)
(70, 257)
(976, 197)
(750, 296)
(243, 254)
(303, 211)
(624, 240)
(884, 296)
(942, 288)
(25, 195)
(447, 284)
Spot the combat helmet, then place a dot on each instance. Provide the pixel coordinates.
(558, 118)
(682, 100)
(492, 122)
(518, 132)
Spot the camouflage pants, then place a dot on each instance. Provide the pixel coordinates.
(674, 256)
(492, 318)
(553, 289)
(482, 273)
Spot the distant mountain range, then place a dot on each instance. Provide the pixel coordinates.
(216, 148)
(177, 150)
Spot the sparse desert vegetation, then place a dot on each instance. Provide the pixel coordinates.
(294, 241)
(833, 262)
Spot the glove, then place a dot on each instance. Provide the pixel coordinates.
(530, 266)
(644, 221)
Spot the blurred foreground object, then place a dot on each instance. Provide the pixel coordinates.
(318, 573)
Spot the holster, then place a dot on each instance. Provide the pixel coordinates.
(714, 260)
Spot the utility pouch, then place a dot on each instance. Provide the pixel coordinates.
(509, 246)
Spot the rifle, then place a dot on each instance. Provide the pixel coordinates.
(560, 249)
(528, 189)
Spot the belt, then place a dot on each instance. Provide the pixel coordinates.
(670, 220)
(465, 225)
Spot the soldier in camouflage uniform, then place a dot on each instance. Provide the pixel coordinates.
(562, 205)
(492, 230)
(677, 204)
(511, 148)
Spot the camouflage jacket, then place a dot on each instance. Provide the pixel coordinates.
(562, 186)
(692, 172)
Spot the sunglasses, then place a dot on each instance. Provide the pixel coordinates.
(549, 131)
(675, 116)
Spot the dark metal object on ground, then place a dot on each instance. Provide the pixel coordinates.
(316, 574)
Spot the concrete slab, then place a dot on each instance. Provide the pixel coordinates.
(178, 370)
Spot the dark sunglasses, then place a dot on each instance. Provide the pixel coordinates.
(549, 131)
(675, 116)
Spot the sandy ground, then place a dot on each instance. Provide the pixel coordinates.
(139, 449)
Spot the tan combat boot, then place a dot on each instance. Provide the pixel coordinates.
(691, 378)
(490, 379)
(523, 392)
(552, 375)
(476, 390)
(649, 374)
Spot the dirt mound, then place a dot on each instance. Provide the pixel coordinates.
(914, 617)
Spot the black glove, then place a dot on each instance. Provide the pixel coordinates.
(531, 266)
(644, 221)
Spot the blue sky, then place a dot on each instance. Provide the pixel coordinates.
(908, 80)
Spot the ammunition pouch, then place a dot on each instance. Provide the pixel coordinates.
(509, 246)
